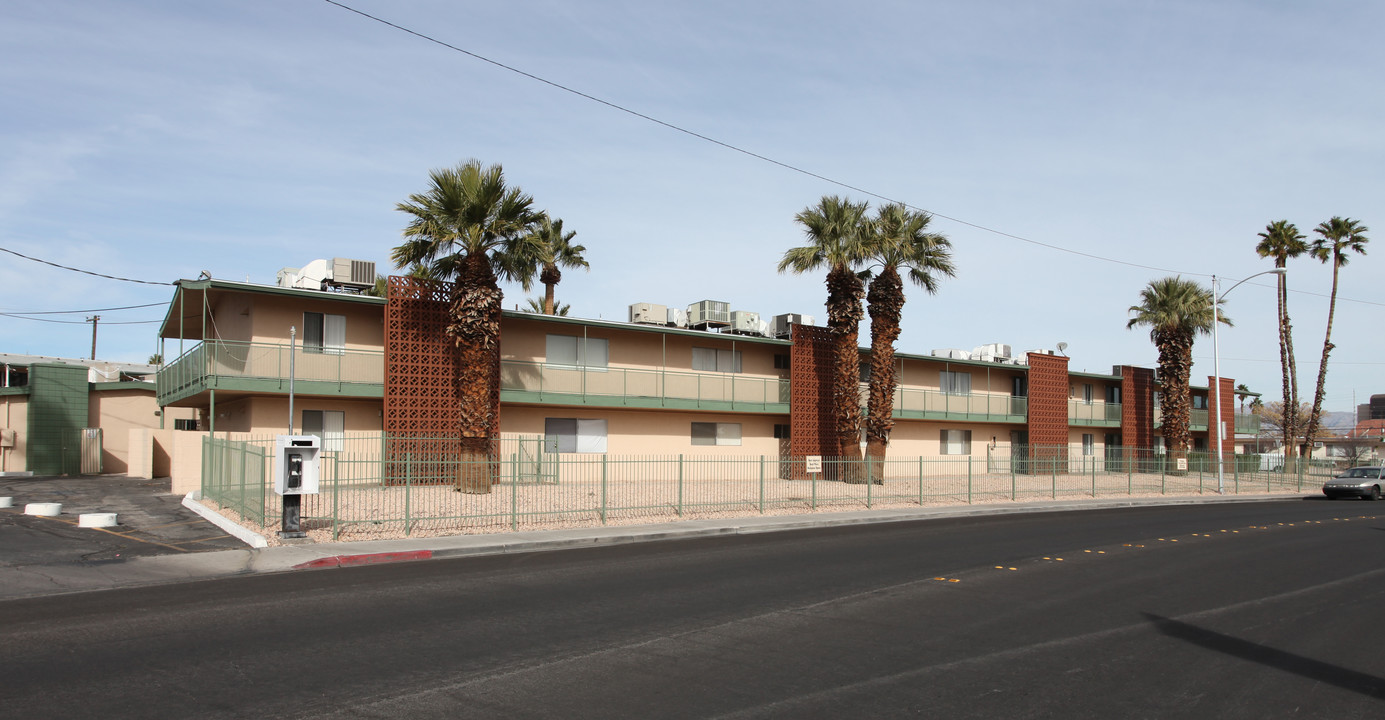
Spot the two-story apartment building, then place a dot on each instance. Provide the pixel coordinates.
(361, 363)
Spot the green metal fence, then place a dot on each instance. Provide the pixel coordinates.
(376, 486)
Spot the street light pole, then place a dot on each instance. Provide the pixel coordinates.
(1216, 372)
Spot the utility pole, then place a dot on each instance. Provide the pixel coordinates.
(94, 319)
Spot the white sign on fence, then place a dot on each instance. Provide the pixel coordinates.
(1182, 464)
(814, 463)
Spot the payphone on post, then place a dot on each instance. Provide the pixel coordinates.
(296, 467)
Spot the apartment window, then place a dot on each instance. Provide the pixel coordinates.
(574, 435)
(705, 433)
(781, 432)
(956, 442)
(955, 383)
(577, 351)
(1088, 443)
(1113, 394)
(324, 333)
(1199, 402)
(781, 361)
(185, 424)
(1087, 394)
(328, 425)
(714, 360)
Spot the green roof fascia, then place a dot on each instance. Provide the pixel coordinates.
(638, 327)
(123, 385)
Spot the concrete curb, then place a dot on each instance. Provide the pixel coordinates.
(249, 537)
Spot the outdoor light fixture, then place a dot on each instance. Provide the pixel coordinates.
(1216, 371)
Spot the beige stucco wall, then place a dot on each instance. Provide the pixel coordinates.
(14, 415)
(640, 432)
(924, 373)
(267, 319)
(914, 438)
(269, 414)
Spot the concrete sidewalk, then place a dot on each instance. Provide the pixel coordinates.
(40, 580)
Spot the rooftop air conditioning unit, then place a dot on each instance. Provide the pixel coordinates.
(709, 314)
(993, 351)
(357, 274)
(781, 325)
(951, 354)
(649, 314)
(745, 323)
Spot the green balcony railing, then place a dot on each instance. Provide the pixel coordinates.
(1094, 413)
(922, 403)
(522, 381)
(264, 367)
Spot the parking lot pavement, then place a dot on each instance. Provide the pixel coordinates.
(150, 521)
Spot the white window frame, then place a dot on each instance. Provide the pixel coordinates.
(324, 333)
(724, 434)
(574, 435)
(954, 382)
(329, 426)
(1088, 444)
(954, 442)
(575, 351)
(706, 359)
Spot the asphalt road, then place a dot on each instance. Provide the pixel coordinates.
(1261, 610)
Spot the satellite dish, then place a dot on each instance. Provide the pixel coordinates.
(1062, 346)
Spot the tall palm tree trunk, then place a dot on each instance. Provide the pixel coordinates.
(1287, 368)
(844, 293)
(1175, 364)
(550, 276)
(1315, 417)
(886, 303)
(476, 310)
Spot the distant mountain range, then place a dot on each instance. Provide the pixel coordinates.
(1339, 422)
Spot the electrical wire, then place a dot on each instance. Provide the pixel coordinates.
(786, 166)
(78, 322)
(78, 312)
(88, 272)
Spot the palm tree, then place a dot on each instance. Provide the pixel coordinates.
(464, 229)
(1242, 392)
(1282, 241)
(1176, 310)
(547, 248)
(833, 229)
(897, 238)
(1335, 238)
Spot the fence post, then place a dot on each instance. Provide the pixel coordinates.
(870, 482)
(514, 494)
(680, 484)
(1012, 474)
(921, 480)
(1053, 471)
(603, 488)
(762, 484)
(1093, 461)
(813, 477)
(408, 486)
(969, 479)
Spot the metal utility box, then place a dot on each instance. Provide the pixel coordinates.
(745, 322)
(709, 314)
(781, 324)
(296, 464)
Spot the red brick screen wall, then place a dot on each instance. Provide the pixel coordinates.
(1137, 407)
(810, 396)
(1228, 416)
(421, 404)
(1048, 410)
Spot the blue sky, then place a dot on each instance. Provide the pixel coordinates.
(156, 140)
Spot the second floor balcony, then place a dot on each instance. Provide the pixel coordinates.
(1097, 413)
(525, 381)
(265, 368)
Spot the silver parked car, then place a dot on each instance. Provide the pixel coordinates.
(1362, 482)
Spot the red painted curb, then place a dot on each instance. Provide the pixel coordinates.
(369, 559)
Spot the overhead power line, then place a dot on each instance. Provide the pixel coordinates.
(87, 272)
(77, 322)
(772, 161)
(79, 312)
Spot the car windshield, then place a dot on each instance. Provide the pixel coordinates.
(1362, 472)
